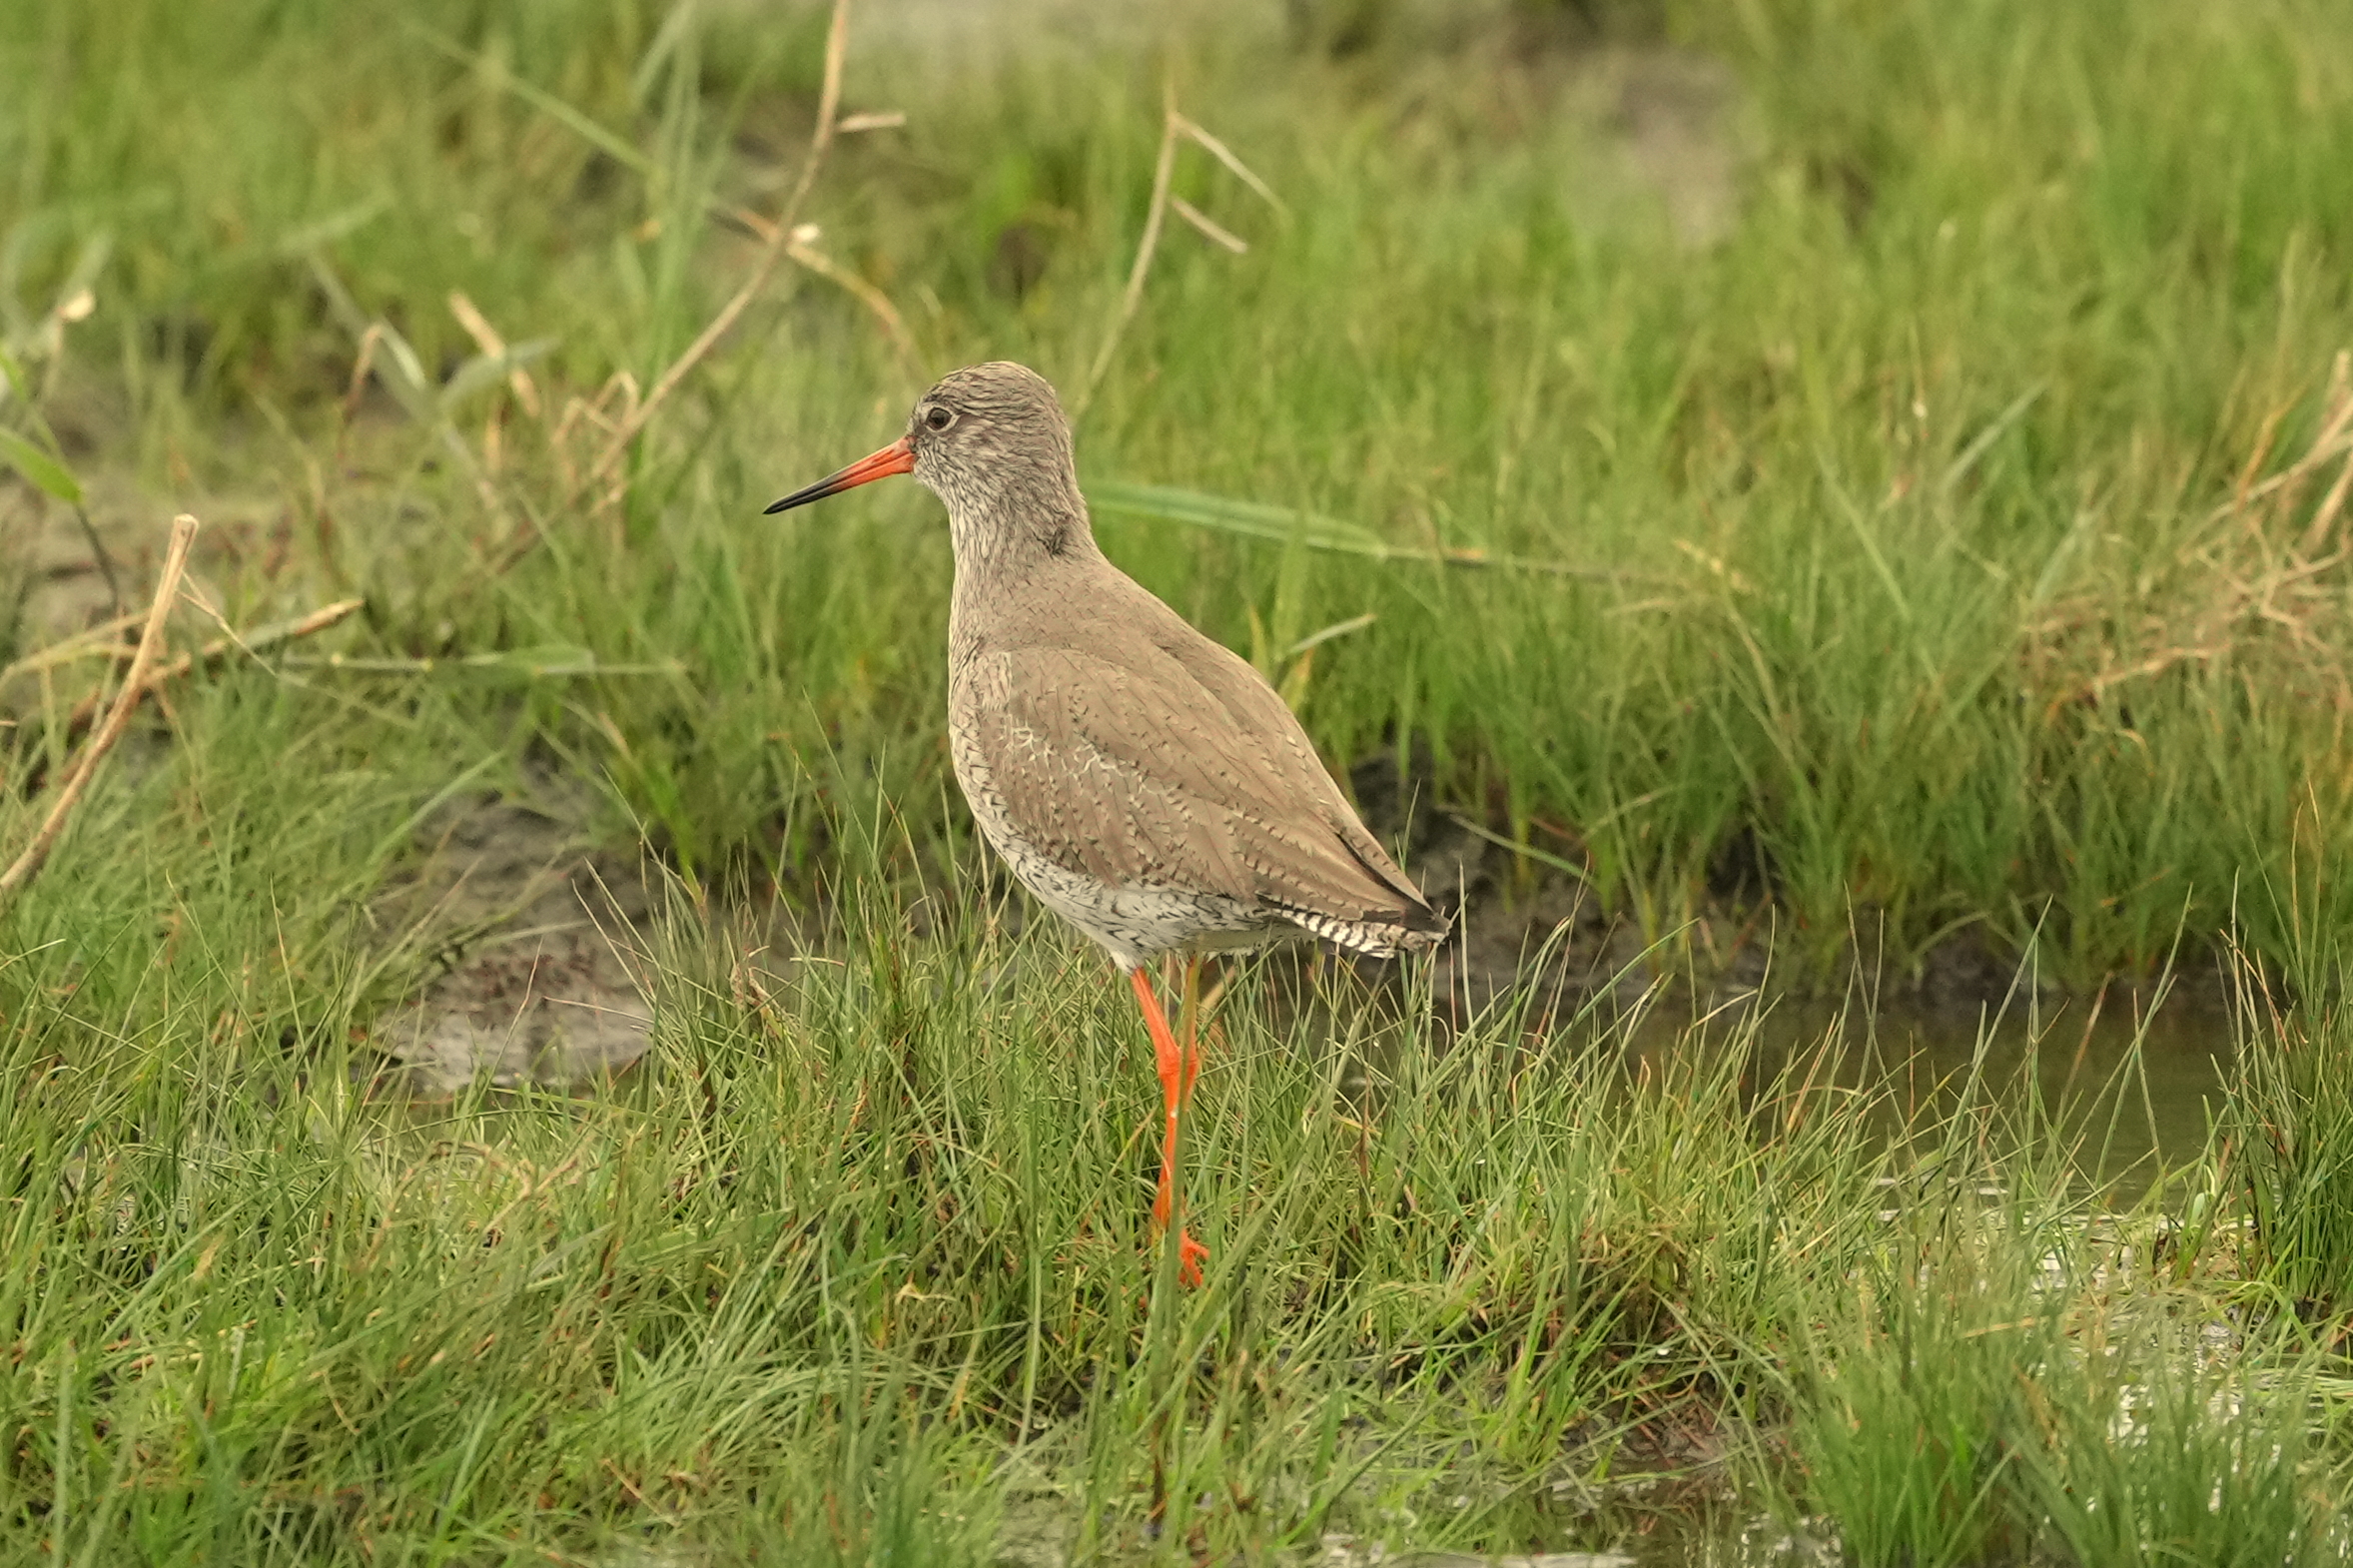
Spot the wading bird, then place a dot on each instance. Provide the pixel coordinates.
(1143, 781)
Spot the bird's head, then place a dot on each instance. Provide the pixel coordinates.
(989, 441)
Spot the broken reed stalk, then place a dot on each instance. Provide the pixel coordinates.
(1175, 126)
(772, 250)
(150, 642)
(78, 722)
(828, 106)
(1162, 171)
(799, 246)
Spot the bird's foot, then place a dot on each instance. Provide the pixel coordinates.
(1190, 1254)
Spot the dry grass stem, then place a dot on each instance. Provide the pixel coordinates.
(362, 363)
(894, 325)
(150, 642)
(99, 641)
(488, 339)
(1164, 170)
(828, 106)
(1241, 171)
(1210, 230)
(2258, 572)
(258, 641)
(800, 246)
(1174, 128)
(621, 427)
(254, 642)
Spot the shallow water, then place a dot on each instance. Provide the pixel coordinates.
(2129, 1076)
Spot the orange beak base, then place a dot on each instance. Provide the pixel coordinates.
(898, 458)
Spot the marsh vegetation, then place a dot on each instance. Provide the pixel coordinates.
(1802, 502)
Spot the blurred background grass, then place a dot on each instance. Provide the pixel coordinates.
(1889, 396)
(1887, 407)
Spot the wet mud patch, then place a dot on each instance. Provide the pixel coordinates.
(544, 937)
(65, 570)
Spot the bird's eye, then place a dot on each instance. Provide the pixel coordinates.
(938, 418)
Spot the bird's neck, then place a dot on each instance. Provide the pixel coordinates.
(1029, 520)
(1023, 549)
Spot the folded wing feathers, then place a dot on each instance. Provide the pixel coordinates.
(1191, 774)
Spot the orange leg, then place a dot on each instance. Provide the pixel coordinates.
(1178, 1068)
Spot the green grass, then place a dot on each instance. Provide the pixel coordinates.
(2016, 1375)
(1956, 1410)
(828, 1256)
(1921, 564)
(2291, 1129)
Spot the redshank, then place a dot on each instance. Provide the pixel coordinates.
(1144, 782)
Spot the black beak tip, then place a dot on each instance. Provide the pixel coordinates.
(815, 492)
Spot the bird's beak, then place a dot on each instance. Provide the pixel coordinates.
(898, 458)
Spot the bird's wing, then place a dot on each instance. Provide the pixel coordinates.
(1143, 774)
(1259, 709)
